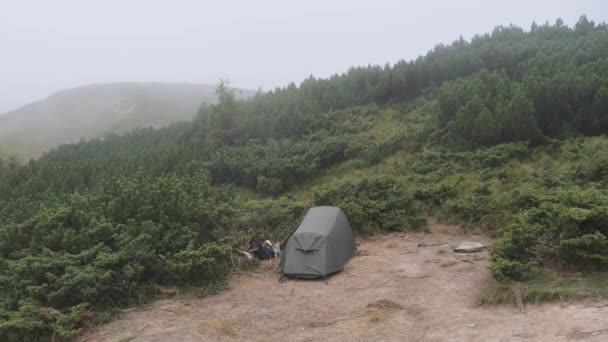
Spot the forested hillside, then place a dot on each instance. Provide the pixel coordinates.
(503, 133)
(95, 110)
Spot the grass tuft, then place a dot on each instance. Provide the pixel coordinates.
(545, 287)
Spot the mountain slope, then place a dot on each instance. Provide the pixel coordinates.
(94, 110)
(504, 134)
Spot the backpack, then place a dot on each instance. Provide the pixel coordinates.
(268, 251)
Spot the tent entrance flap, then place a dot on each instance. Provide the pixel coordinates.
(322, 244)
(308, 242)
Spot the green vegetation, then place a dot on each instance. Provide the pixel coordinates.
(503, 133)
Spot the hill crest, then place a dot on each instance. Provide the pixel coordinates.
(94, 110)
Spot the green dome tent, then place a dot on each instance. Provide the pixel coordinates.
(322, 244)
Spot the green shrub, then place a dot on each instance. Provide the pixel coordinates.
(505, 269)
(589, 251)
(204, 264)
(563, 228)
(269, 186)
(373, 203)
(270, 218)
(104, 247)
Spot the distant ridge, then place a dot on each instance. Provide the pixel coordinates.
(94, 110)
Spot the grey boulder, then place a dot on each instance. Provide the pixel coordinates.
(469, 247)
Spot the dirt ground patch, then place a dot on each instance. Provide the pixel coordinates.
(407, 287)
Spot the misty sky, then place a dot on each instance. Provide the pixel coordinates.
(47, 46)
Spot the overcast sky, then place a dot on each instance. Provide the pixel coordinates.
(49, 45)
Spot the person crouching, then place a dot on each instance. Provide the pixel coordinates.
(260, 248)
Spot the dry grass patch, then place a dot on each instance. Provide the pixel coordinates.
(448, 263)
(546, 286)
(380, 310)
(223, 326)
(390, 245)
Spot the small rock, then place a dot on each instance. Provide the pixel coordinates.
(469, 247)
